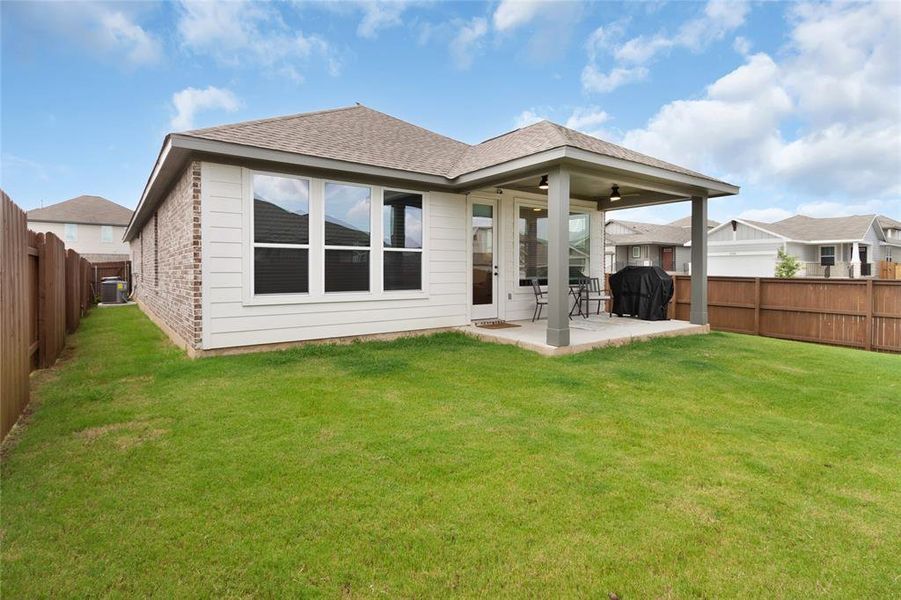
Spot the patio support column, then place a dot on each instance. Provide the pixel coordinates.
(558, 257)
(699, 260)
(854, 271)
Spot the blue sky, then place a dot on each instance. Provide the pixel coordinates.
(800, 104)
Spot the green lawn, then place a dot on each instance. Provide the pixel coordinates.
(718, 465)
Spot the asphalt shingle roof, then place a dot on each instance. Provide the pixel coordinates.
(650, 233)
(800, 227)
(91, 210)
(362, 135)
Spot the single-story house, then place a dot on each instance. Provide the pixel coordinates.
(90, 225)
(834, 247)
(349, 223)
(632, 243)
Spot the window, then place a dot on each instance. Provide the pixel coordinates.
(71, 232)
(402, 237)
(348, 216)
(281, 235)
(106, 234)
(827, 255)
(636, 251)
(533, 245)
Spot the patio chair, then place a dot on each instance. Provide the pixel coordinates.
(595, 294)
(540, 299)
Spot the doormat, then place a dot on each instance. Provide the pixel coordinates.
(496, 325)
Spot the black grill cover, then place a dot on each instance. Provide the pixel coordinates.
(642, 292)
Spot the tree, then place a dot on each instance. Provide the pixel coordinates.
(787, 266)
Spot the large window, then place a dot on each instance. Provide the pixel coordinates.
(533, 245)
(348, 219)
(106, 233)
(281, 235)
(71, 232)
(827, 256)
(402, 233)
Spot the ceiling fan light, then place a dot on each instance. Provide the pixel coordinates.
(542, 185)
(614, 194)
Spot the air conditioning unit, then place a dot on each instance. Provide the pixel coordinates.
(113, 291)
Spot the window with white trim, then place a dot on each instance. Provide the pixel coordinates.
(533, 244)
(347, 236)
(281, 234)
(402, 240)
(71, 232)
(636, 251)
(106, 234)
(827, 256)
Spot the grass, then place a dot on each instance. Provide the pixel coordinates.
(718, 465)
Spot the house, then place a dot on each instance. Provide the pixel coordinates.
(631, 243)
(90, 225)
(350, 223)
(826, 247)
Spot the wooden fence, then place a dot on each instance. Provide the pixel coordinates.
(44, 292)
(889, 270)
(860, 313)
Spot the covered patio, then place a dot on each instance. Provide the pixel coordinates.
(596, 331)
(582, 173)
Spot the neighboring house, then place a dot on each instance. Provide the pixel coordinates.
(630, 243)
(90, 225)
(837, 246)
(349, 222)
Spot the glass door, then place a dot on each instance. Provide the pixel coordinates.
(484, 260)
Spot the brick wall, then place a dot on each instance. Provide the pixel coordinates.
(168, 274)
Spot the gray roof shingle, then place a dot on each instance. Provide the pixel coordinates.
(650, 233)
(362, 135)
(91, 210)
(803, 228)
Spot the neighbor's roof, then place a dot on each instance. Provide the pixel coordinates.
(802, 228)
(686, 222)
(91, 210)
(362, 135)
(888, 222)
(648, 233)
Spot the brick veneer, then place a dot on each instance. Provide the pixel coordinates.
(168, 282)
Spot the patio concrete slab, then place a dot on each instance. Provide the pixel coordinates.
(585, 334)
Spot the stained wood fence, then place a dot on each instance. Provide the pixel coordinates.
(859, 313)
(44, 292)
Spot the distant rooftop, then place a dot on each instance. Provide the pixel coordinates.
(90, 210)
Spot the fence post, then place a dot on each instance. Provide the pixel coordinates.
(757, 306)
(868, 343)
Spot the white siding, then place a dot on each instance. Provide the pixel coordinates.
(229, 320)
(89, 239)
(742, 232)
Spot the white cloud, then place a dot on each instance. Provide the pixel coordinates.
(766, 215)
(468, 41)
(527, 117)
(594, 80)
(378, 15)
(844, 209)
(588, 117)
(718, 18)
(107, 29)
(742, 45)
(189, 101)
(251, 33)
(825, 119)
(511, 14)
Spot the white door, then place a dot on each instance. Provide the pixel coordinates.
(484, 259)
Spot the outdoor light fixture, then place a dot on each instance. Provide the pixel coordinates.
(614, 194)
(542, 185)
